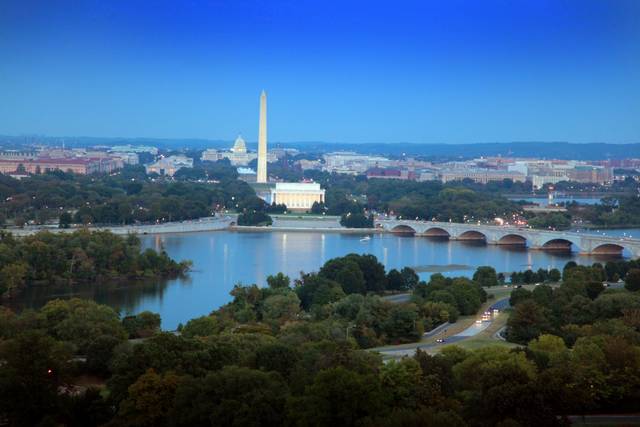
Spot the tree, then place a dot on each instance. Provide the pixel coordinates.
(410, 278)
(554, 275)
(34, 366)
(486, 276)
(200, 327)
(232, 396)
(279, 281)
(277, 357)
(100, 352)
(346, 271)
(65, 220)
(338, 397)
(542, 294)
(496, 383)
(278, 309)
(594, 288)
(527, 322)
(402, 325)
(356, 220)
(632, 280)
(519, 295)
(254, 218)
(78, 321)
(12, 277)
(551, 347)
(567, 269)
(402, 380)
(142, 325)
(150, 399)
(395, 281)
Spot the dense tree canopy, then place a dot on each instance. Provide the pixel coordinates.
(126, 197)
(292, 354)
(81, 256)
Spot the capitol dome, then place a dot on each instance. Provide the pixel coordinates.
(239, 146)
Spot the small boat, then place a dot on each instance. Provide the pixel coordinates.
(365, 239)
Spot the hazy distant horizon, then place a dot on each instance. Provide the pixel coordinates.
(311, 141)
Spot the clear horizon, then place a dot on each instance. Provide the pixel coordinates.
(437, 72)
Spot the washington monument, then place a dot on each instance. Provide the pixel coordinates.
(262, 140)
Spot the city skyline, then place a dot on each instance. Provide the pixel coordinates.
(422, 73)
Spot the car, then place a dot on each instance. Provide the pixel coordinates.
(440, 340)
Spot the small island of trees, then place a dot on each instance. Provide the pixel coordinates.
(81, 256)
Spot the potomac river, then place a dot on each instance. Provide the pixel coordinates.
(224, 258)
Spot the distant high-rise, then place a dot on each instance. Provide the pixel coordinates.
(262, 140)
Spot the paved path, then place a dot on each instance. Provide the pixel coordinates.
(471, 331)
(190, 226)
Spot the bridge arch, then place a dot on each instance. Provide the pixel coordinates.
(608, 249)
(512, 240)
(437, 232)
(472, 235)
(403, 229)
(560, 244)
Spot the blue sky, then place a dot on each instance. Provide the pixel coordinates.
(449, 71)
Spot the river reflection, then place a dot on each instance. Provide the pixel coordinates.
(224, 258)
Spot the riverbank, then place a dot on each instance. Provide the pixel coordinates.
(191, 226)
(280, 223)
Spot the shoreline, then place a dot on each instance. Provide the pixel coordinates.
(208, 224)
(201, 225)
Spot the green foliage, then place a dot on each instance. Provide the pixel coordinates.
(142, 325)
(233, 396)
(33, 367)
(463, 294)
(81, 256)
(79, 321)
(281, 356)
(279, 281)
(254, 218)
(12, 277)
(339, 396)
(150, 399)
(99, 353)
(127, 197)
(554, 221)
(315, 290)
(201, 327)
(528, 321)
(486, 276)
(356, 273)
(403, 280)
(632, 280)
(356, 220)
(65, 220)
(566, 311)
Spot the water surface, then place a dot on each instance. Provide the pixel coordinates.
(222, 259)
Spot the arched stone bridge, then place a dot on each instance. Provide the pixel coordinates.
(584, 243)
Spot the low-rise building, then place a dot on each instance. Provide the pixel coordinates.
(297, 195)
(349, 162)
(482, 176)
(169, 165)
(82, 166)
(134, 149)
